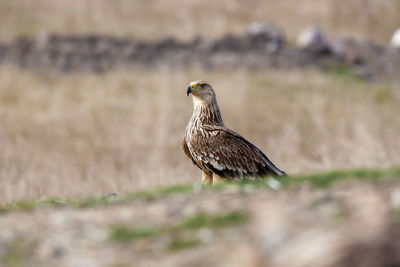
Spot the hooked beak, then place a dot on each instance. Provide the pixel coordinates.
(189, 91)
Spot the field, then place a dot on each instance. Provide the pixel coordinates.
(155, 19)
(341, 218)
(91, 168)
(88, 134)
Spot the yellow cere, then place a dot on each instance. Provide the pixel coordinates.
(192, 84)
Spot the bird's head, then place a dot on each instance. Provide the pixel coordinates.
(201, 90)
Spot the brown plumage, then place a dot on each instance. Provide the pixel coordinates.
(218, 151)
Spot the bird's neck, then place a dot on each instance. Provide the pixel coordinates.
(204, 113)
(207, 112)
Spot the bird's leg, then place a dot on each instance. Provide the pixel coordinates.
(218, 179)
(206, 178)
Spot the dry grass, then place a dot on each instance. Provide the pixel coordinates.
(87, 134)
(186, 18)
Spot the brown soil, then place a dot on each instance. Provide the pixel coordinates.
(350, 224)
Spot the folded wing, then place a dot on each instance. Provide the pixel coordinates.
(228, 154)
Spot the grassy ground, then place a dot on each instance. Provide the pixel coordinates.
(344, 214)
(159, 18)
(88, 134)
(317, 180)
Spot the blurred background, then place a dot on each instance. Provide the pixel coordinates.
(151, 20)
(92, 93)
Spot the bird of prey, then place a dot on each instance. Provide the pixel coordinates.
(219, 152)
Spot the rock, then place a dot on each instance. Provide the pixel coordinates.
(395, 42)
(259, 46)
(313, 39)
(273, 38)
(356, 52)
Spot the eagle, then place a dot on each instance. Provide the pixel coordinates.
(219, 152)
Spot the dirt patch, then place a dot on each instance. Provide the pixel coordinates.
(353, 223)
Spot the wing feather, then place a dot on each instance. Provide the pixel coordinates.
(228, 154)
(187, 152)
